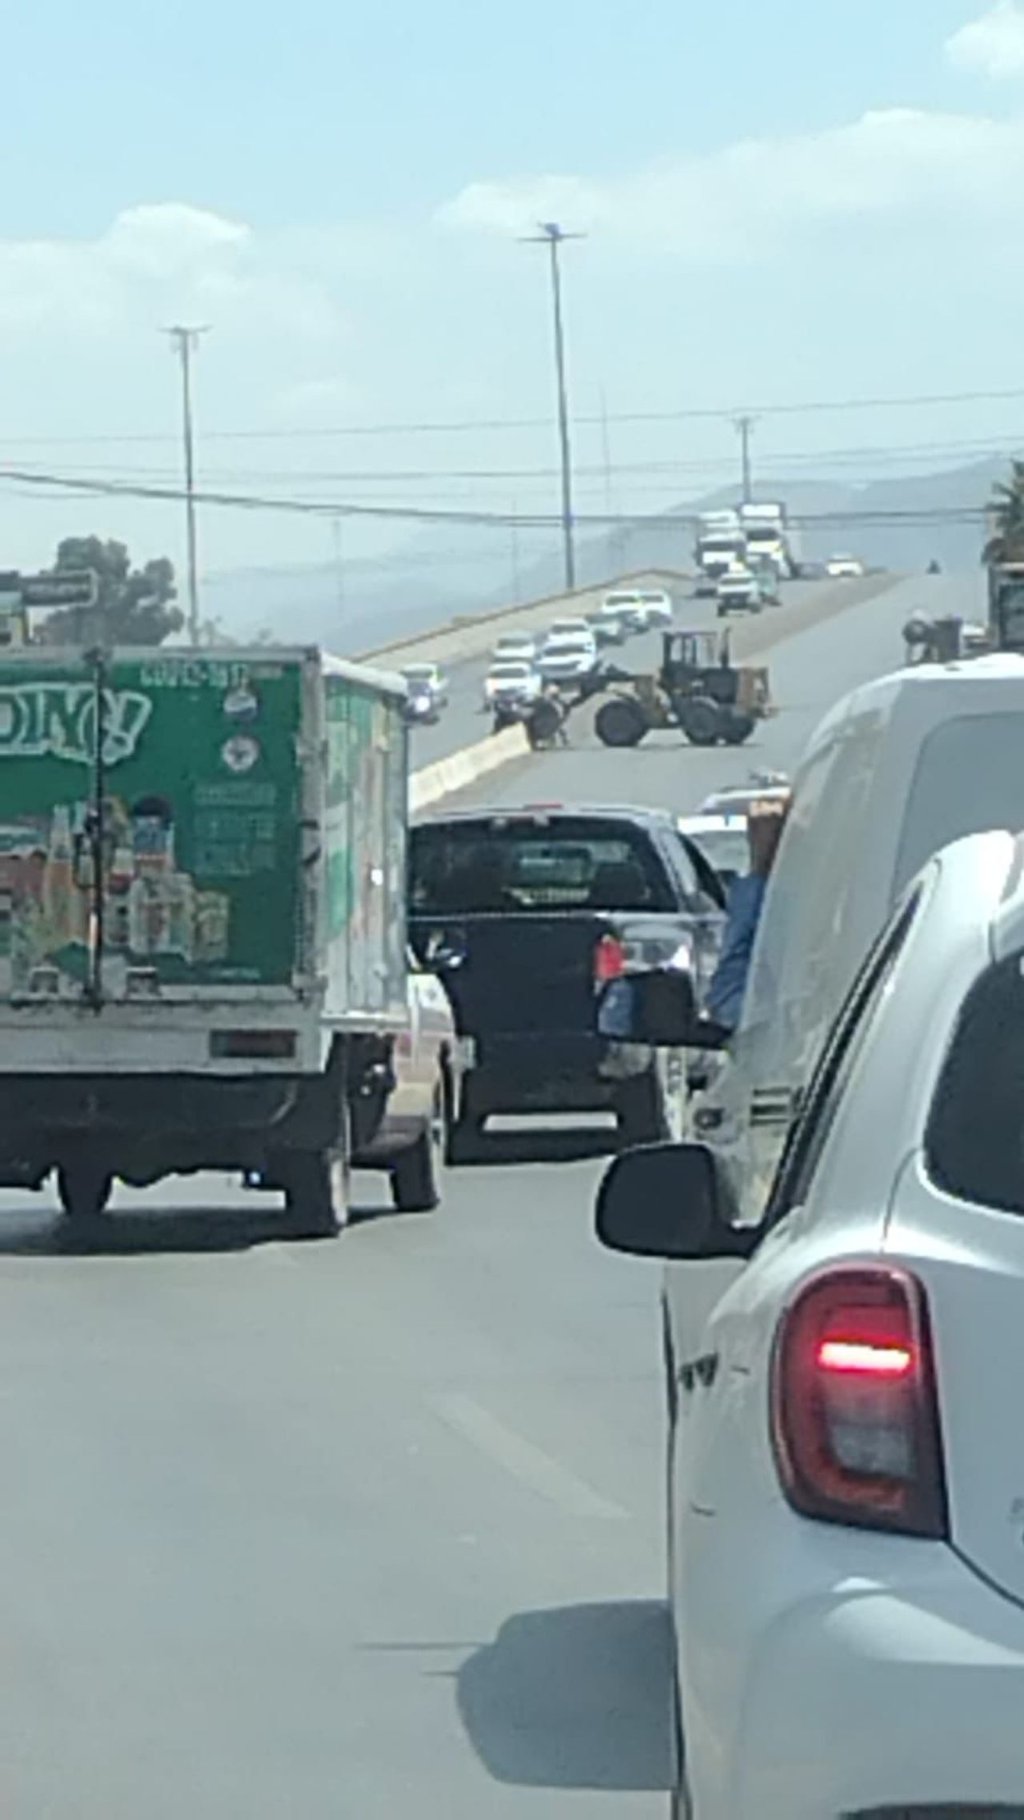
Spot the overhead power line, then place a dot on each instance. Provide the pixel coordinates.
(966, 513)
(473, 426)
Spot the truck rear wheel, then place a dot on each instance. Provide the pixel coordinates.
(620, 722)
(416, 1171)
(316, 1195)
(83, 1190)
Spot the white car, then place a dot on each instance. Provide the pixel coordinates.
(514, 647)
(577, 627)
(722, 839)
(846, 1461)
(624, 605)
(656, 608)
(567, 657)
(738, 592)
(735, 799)
(838, 567)
(510, 682)
(427, 679)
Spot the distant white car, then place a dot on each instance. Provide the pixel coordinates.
(656, 608)
(577, 627)
(427, 679)
(509, 682)
(722, 839)
(838, 567)
(738, 592)
(515, 647)
(735, 799)
(624, 605)
(846, 1574)
(567, 657)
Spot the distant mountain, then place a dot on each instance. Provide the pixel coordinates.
(446, 570)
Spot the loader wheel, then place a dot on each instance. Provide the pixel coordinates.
(620, 722)
(737, 729)
(700, 718)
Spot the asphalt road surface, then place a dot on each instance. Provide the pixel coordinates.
(360, 1530)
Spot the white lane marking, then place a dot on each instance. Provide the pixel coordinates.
(526, 1462)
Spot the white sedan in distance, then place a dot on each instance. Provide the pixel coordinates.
(846, 1450)
(722, 839)
(509, 683)
(844, 567)
(656, 608)
(567, 657)
(515, 647)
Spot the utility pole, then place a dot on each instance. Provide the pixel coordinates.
(552, 236)
(745, 426)
(185, 341)
(339, 561)
(517, 575)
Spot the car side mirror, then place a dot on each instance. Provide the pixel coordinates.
(657, 1008)
(670, 1201)
(442, 954)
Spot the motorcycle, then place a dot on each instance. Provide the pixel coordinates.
(421, 709)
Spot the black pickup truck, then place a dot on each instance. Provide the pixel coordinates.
(526, 914)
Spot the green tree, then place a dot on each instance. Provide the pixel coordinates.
(134, 606)
(1006, 519)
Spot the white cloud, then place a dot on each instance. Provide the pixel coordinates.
(891, 165)
(993, 44)
(157, 263)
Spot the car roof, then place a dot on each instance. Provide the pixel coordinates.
(643, 815)
(696, 825)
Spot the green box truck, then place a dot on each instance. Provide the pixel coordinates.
(202, 917)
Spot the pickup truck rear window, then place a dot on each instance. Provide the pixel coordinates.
(974, 1144)
(526, 866)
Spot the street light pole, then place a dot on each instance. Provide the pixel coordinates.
(553, 237)
(186, 340)
(745, 427)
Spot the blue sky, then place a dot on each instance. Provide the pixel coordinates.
(782, 203)
(318, 111)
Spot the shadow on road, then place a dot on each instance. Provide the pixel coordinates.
(576, 1698)
(134, 1233)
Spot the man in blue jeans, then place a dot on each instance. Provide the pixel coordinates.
(765, 822)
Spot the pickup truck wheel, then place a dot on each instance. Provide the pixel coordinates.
(83, 1190)
(316, 1195)
(416, 1172)
(640, 1112)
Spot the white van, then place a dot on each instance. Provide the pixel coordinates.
(896, 771)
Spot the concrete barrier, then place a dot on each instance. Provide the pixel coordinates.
(460, 769)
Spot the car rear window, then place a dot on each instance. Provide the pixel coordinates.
(533, 866)
(974, 1144)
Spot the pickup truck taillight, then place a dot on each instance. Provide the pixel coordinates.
(854, 1408)
(609, 960)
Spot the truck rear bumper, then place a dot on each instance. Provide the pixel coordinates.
(550, 1071)
(145, 1127)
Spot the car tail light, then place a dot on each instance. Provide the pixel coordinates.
(609, 960)
(854, 1413)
